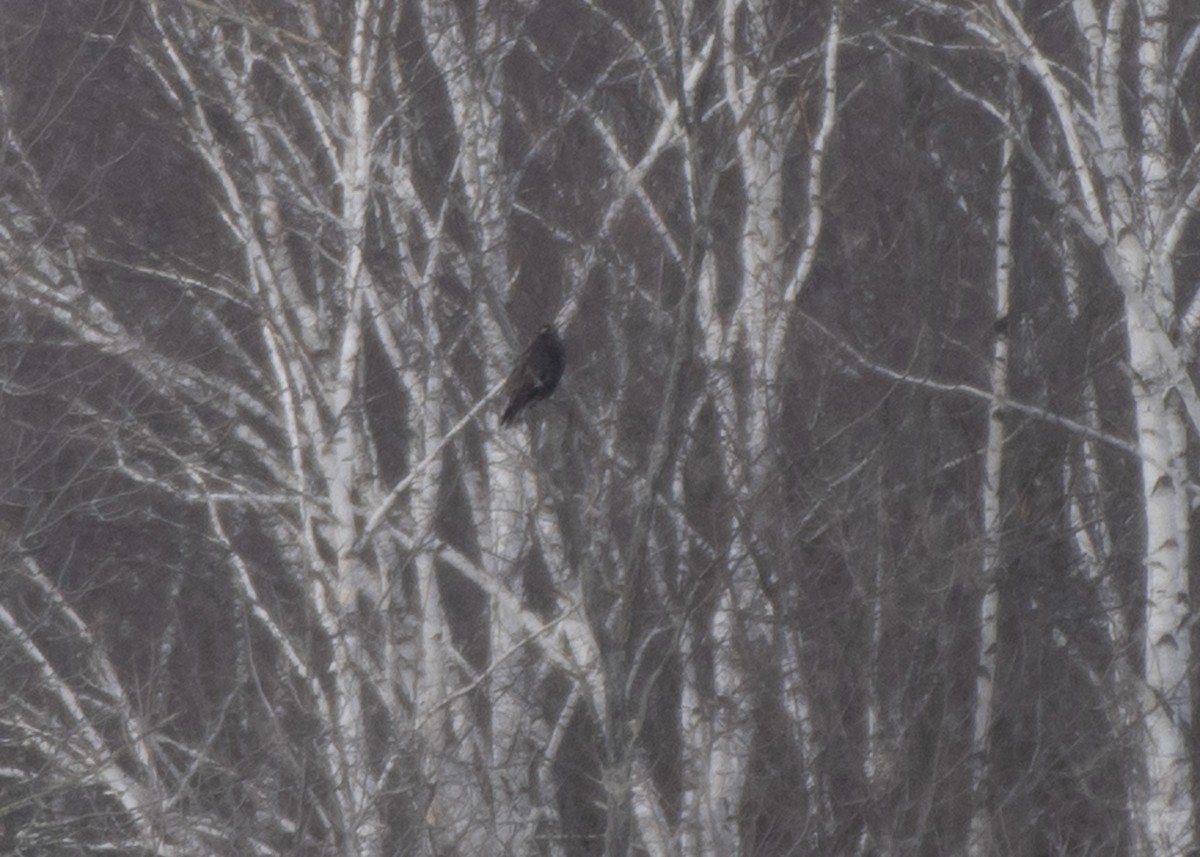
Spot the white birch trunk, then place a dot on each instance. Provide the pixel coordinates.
(359, 798)
(1165, 805)
(476, 90)
(716, 734)
(731, 729)
(979, 837)
(1167, 808)
(762, 142)
(443, 719)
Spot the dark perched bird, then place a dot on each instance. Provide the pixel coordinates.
(536, 373)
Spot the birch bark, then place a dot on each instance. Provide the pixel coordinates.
(979, 835)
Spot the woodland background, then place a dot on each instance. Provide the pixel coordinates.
(859, 525)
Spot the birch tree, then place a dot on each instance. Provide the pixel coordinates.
(1113, 172)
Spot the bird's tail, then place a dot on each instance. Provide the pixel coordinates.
(514, 408)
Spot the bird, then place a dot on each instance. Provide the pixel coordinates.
(536, 374)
